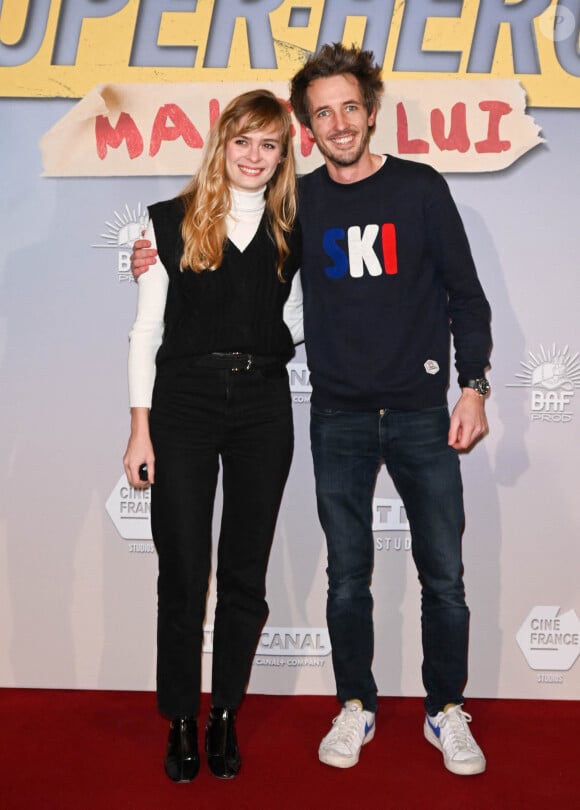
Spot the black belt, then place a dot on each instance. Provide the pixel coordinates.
(238, 361)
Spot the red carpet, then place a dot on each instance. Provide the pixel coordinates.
(89, 750)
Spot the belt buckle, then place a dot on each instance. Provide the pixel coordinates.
(249, 364)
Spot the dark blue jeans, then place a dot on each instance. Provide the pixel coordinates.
(348, 449)
(202, 417)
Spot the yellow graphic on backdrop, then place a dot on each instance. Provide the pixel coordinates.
(63, 48)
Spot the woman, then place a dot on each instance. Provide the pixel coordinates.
(208, 382)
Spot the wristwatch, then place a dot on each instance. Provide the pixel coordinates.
(480, 385)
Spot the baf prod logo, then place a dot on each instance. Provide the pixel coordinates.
(122, 231)
(300, 388)
(550, 640)
(552, 375)
(130, 510)
(389, 516)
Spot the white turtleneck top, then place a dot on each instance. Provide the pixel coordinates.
(147, 332)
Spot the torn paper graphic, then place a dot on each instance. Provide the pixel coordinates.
(160, 129)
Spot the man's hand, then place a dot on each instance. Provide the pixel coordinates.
(142, 257)
(468, 420)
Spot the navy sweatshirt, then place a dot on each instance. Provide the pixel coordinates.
(388, 276)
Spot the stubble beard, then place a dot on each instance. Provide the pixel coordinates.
(347, 159)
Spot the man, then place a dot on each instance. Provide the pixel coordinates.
(387, 277)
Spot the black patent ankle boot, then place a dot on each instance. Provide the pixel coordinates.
(221, 745)
(182, 757)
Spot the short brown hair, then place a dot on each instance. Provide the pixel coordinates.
(336, 60)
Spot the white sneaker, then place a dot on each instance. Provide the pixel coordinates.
(449, 732)
(353, 728)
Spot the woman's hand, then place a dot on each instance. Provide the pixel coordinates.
(139, 450)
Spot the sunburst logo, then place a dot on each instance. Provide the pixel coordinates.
(554, 368)
(125, 228)
(121, 232)
(552, 374)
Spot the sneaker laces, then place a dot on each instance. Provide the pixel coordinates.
(458, 737)
(346, 726)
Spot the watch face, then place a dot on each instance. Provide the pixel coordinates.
(482, 386)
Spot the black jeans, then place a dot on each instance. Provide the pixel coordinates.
(199, 416)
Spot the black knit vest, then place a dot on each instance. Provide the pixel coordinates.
(237, 307)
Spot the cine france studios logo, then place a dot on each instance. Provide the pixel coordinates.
(551, 375)
(130, 511)
(550, 641)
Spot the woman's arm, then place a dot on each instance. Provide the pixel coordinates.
(145, 338)
(292, 313)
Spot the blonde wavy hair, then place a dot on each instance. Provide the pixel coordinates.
(207, 198)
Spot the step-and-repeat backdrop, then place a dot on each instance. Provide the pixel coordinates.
(105, 106)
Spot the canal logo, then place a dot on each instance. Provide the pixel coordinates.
(284, 641)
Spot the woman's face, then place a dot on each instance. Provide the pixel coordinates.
(253, 157)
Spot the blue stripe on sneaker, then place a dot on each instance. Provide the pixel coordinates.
(435, 729)
(369, 727)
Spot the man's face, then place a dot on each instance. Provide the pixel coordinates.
(339, 122)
